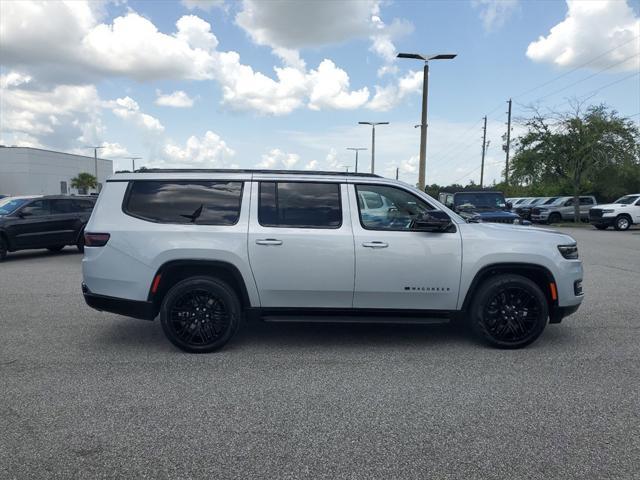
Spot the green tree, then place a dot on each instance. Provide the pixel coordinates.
(583, 151)
(84, 181)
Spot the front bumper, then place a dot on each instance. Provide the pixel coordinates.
(602, 221)
(121, 306)
(558, 313)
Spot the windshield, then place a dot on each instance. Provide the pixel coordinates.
(479, 200)
(627, 199)
(10, 205)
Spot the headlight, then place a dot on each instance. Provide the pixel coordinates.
(570, 252)
(608, 210)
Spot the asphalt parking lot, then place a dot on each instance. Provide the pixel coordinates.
(85, 394)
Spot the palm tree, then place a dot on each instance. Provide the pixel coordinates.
(83, 182)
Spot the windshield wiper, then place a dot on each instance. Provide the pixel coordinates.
(194, 216)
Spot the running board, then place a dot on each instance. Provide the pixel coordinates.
(355, 319)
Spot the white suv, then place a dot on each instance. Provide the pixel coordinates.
(620, 214)
(205, 249)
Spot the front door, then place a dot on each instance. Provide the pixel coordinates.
(301, 244)
(397, 268)
(32, 225)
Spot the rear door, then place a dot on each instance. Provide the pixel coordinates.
(66, 218)
(301, 244)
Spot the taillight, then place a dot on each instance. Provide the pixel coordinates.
(95, 239)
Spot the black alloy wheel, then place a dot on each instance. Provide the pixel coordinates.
(55, 248)
(200, 314)
(509, 311)
(80, 242)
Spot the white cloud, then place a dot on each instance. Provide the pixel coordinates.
(391, 95)
(329, 88)
(205, 5)
(590, 28)
(276, 158)
(209, 151)
(177, 99)
(495, 13)
(128, 109)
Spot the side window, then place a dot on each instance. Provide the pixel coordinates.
(638, 202)
(569, 203)
(299, 205)
(83, 205)
(37, 208)
(400, 208)
(62, 206)
(586, 201)
(199, 202)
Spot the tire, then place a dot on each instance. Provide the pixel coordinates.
(80, 242)
(200, 299)
(554, 218)
(622, 222)
(3, 249)
(520, 323)
(601, 227)
(55, 248)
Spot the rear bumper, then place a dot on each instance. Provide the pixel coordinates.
(121, 306)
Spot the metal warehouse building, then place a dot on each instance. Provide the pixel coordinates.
(33, 171)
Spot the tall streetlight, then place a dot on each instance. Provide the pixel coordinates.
(133, 162)
(95, 159)
(356, 150)
(373, 141)
(425, 92)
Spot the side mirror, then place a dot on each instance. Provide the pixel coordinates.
(432, 221)
(509, 205)
(24, 214)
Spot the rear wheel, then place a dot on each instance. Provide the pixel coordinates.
(55, 248)
(200, 314)
(80, 243)
(3, 249)
(554, 218)
(622, 223)
(509, 311)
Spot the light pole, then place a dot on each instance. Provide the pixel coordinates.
(133, 162)
(425, 93)
(373, 141)
(347, 167)
(95, 160)
(356, 149)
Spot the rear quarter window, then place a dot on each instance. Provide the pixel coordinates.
(184, 202)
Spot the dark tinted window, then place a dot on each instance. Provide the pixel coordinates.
(586, 201)
(199, 202)
(62, 206)
(304, 205)
(37, 208)
(83, 205)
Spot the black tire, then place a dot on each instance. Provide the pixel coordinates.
(3, 249)
(509, 311)
(55, 248)
(80, 242)
(554, 218)
(200, 314)
(623, 222)
(601, 227)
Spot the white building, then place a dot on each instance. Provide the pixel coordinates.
(33, 171)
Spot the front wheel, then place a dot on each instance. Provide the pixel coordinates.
(554, 218)
(55, 248)
(3, 249)
(509, 311)
(200, 314)
(622, 223)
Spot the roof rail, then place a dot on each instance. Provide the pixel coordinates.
(249, 170)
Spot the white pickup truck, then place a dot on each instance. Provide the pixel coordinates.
(620, 214)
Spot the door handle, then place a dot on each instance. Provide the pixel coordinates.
(375, 244)
(269, 241)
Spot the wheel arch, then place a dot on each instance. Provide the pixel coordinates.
(539, 274)
(175, 271)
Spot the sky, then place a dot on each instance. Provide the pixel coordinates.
(284, 83)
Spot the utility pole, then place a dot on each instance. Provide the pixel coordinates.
(133, 162)
(356, 149)
(484, 148)
(373, 141)
(95, 161)
(506, 148)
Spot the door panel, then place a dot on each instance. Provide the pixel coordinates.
(301, 266)
(401, 269)
(35, 229)
(65, 216)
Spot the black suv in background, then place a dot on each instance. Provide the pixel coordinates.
(50, 222)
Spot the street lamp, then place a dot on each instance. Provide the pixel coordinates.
(346, 167)
(425, 92)
(133, 162)
(356, 150)
(373, 141)
(95, 160)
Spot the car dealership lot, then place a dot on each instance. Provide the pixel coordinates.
(85, 394)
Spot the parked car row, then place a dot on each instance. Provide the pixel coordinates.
(552, 209)
(43, 221)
